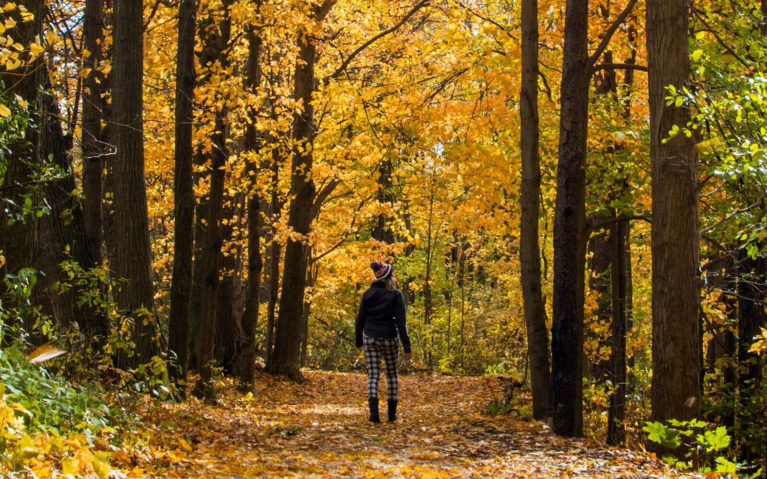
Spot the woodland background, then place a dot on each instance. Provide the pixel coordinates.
(572, 194)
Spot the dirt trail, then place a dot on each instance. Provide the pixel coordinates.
(319, 429)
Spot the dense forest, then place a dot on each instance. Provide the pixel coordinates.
(571, 193)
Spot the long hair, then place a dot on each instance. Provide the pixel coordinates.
(390, 284)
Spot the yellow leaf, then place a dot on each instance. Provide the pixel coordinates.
(36, 49)
(100, 464)
(4, 111)
(68, 466)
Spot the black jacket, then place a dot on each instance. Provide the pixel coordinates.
(382, 315)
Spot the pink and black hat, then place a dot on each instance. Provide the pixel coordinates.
(381, 270)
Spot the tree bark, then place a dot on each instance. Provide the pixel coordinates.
(198, 269)
(763, 25)
(274, 252)
(599, 283)
(42, 243)
(616, 414)
(132, 254)
(216, 41)
(248, 347)
(382, 230)
(183, 194)
(229, 304)
(751, 316)
(676, 354)
(93, 141)
(529, 250)
(569, 228)
(286, 357)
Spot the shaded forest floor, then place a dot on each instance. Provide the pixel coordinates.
(319, 429)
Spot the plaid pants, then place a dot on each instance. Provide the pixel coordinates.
(375, 349)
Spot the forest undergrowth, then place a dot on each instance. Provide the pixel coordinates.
(319, 429)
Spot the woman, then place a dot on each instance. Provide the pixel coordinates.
(380, 318)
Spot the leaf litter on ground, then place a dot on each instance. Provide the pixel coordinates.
(319, 429)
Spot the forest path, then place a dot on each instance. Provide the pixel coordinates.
(319, 429)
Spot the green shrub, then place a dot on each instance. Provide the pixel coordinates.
(704, 446)
(53, 402)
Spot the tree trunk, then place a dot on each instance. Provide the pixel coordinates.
(228, 315)
(274, 296)
(217, 41)
(132, 254)
(42, 244)
(427, 299)
(676, 354)
(569, 229)
(599, 283)
(763, 24)
(93, 143)
(382, 230)
(286, 357)
(272, 280)
(616, 429)
(751, 316)
(198, 269)
(211, 261)
(183, 194)
(248, 346)
(529, 250)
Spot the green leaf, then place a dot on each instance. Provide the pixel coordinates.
(723, 466)
(716, 440)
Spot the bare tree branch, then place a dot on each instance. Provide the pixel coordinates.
(609, 34)
(340, 70)
(619, 66)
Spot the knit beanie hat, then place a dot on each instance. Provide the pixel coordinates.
(381, 270)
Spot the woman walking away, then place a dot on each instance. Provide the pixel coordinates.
(380, 318)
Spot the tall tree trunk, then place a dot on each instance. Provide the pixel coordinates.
(211, 260)
(616, 429)
(42, 244)
(620, 237)
(569, 229)
(601, 243)
(132, 254)
(285, 359)
(228, 315)
(217, 41)
(200, 230)
(751, 316)
(93, 149)
(183, 194)
(273, 267)
(272, 280)
(599, 283)
(274, 296)
(529, 250)
(676, 348)
(94, 145)
(628, 300)
(248, 346)
(763, 24)
(427, 296)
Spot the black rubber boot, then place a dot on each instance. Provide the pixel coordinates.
(373, 403)
(392, 410)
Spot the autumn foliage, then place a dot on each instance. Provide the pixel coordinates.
(212, 214)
